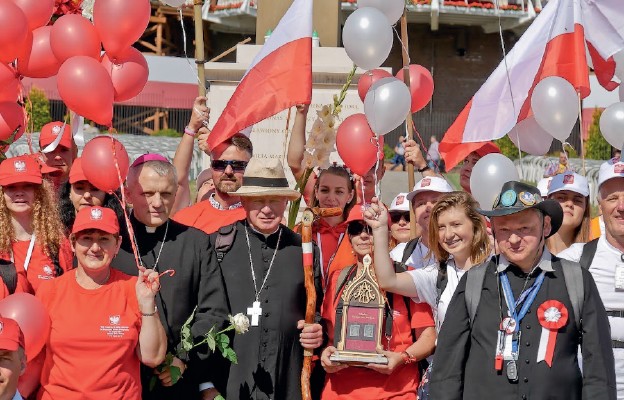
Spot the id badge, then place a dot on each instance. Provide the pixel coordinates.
(619, 278)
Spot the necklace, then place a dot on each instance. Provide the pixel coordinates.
(162, 244)
(255, 310)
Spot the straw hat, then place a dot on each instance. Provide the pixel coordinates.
(265, 177)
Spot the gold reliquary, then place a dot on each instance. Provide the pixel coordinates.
(361, 317)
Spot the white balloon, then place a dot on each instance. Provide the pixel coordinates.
(619, 64)
(530, 137)
(174, 3)
(612, 125)
(488, 176)
(555, 105)
(367, 37)
(387, 104)
(392, 9)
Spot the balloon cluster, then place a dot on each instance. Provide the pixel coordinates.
(367, 37)
(87, 82)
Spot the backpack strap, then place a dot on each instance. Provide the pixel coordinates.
(8, 273)
(409, 249)
(441, 280)
(224, 240)
(573, 276)
(589, 251)
(474, 285)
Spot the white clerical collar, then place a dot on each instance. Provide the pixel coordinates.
(266, 235)
(218, 205)
(545, 263)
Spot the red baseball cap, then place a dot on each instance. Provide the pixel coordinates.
(11, 336)
(50, 131)
(76, 174)
(487, 148)
(22, 169)
(45, 168)
(100, 218)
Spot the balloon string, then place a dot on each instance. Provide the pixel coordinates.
(409, 61)
(193, 70)
(377, 190)
(422, 143)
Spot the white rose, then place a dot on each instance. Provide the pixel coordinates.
(240, 322)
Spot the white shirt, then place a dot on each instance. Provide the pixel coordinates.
(602, 268)
(418, 257)
(425, 280)
(396, 254)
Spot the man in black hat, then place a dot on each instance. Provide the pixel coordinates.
(513, 329)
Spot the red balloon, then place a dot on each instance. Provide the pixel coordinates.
(368, 78)
(40, 62)
(355, 142)
(38, 12)
(98, 163)
(10, 91)
(86, 88)
(13, 31)
(31, 316)
(7, 75)
(129, 73)
(12, 117)
(120, 23)
(73, 35)
(421, 86)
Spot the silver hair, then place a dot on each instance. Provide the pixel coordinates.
(161, 168)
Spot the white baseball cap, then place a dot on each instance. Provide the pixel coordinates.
(569, 181)
(400, 203)
(609, 170)
(430, 184)
(543, 185)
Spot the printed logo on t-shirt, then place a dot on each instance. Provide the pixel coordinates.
(20, 166)
(568, 179)
(48, 271)
(114, 329)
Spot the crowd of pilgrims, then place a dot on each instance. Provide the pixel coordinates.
(114, 316)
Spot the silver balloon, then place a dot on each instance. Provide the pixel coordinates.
(386, 105)
(555, 105)
(488, 177)
(367, 37)
(530, 137)
(612, 125)
(392, 9)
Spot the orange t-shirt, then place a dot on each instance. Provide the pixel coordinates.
(91, 351)
(207, 218)
(359, 383)
(40, 267)
(4, 291)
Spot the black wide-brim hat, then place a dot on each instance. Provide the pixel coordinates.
(517, 196)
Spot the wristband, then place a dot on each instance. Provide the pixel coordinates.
(407, 358)
(423, 169)
(189, 131)
(150, 314)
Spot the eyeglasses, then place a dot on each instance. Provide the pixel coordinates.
(396, 216)
(355, 228)
(221, 165)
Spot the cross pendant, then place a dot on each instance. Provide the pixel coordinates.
(255, 311)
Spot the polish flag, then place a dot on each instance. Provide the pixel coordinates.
(554, 45)
(278, 78)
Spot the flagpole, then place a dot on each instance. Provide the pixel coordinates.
(199, 45)
(581, 131)
(408, 120)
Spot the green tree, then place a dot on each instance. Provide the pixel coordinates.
(597, 147)
(508, 148)
(38, 108)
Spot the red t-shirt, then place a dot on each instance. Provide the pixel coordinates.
(360, 383)
(207, 218)
(91, 351)
(40, 267)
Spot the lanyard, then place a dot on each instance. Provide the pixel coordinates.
(325, 272)
(31, 247)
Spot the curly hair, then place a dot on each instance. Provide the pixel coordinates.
(342, 172)
(46, 222)
(480, 248)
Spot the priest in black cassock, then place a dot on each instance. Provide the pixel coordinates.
(164, 244)
(264, 278)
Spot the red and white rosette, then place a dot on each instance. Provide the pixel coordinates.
(552, 315)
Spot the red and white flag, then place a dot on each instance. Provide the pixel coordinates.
(278, 78)
(554, 45)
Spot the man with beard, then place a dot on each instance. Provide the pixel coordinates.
(163, 244)
(229, 160)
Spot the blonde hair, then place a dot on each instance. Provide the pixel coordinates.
(46, 222)
(480, 248)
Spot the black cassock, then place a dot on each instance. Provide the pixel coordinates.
(197, 281)
(270, 356)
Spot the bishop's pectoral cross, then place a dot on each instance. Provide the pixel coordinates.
(254, 312)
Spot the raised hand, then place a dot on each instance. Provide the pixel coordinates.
(376, 215)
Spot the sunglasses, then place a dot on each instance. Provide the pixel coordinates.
(221, 165)
(396, 216)
(356, 228)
